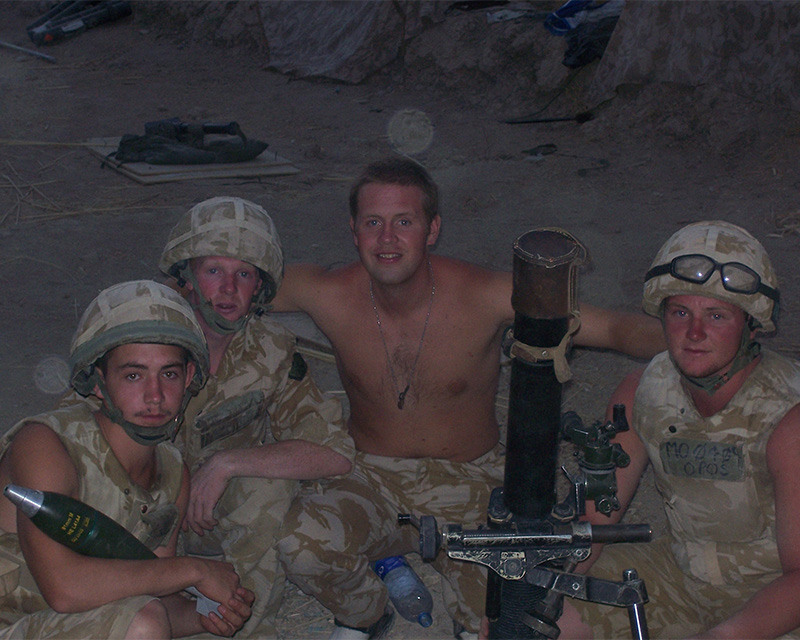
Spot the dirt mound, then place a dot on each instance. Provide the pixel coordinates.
(505, 62)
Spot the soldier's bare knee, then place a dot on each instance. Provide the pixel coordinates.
(150, 623)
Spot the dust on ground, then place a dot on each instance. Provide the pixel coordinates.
(654, 158)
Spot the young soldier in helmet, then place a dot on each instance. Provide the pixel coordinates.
(718, 418)
(261, 424)
(139, 350)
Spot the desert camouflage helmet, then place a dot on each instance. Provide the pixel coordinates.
(133, 312)
(230, 227)
(724, 243)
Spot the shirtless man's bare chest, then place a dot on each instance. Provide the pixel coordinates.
(451, 374)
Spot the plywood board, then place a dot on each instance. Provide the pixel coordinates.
(267, 164)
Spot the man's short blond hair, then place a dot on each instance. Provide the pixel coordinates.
(400, 171)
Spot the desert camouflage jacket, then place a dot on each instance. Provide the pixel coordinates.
(712, 472)
(261, 393)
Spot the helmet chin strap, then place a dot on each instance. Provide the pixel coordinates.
(213, 319)
(747, 352)
(148, 436)
(258, 305)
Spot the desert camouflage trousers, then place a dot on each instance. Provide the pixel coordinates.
(679, 605)
(250, 513)
(111, 622)
(331, 535)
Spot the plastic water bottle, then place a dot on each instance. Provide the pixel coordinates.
(409, 595)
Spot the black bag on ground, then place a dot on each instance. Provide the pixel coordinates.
(173, 142)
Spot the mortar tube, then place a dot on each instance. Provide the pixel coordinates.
(534, 415)
(544, 299)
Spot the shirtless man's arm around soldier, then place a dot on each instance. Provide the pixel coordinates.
(375, 312)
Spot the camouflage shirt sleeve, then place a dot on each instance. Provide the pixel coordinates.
(298, 409)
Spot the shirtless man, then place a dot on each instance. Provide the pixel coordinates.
(140, 352)
(417, 344)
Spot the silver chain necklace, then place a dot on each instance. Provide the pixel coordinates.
(401, 395)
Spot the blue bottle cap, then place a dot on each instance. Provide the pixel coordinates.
(382, 567)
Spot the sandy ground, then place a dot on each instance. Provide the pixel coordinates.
(652, 160)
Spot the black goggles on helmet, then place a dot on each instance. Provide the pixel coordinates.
(735, 276)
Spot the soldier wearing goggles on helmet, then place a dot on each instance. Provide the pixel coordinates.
(139, 350)
(718, 417)
(260, 425)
